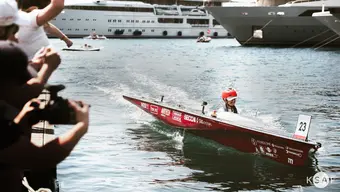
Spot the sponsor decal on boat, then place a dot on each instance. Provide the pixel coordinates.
(292, 149)
(253, 141)
(201, 121)
(266, 151)
(144, 105)
(190, 118)
(271, 155)
(294, 153)
(154, 109)
(177, 116)
(290, 161)
(263, 143)
(165, 112)
(270, 147)
(277, 146)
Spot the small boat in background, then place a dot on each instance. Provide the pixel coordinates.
(203, 39)
(85, 47)
(236, 131)
(94, 36)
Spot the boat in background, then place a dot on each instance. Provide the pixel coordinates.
(203, 39)
(136, 19)
(289, 24)
(85, 47)
(94, 36)
(233, 130)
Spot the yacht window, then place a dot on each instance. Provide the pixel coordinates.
(109, 30)
(87, 19)
(143, 30)
(119, 21)
(114, 21)
(148, 21)
(78, 19)
(93, 29)
(94, 19)
(152, 30)
(63, 19)
(85, 29)
(169, 20)
(109, 20)
(143, 21)
(137, 21)
(198, 22)
(215, 22)
(128, 21)
(132, 21)
(152, 21)
(71, 19)
(130, 30)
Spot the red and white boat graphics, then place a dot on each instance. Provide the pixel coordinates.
(248, 137)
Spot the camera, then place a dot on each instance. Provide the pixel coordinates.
(57, 110)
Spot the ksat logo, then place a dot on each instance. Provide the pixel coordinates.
(319, 180)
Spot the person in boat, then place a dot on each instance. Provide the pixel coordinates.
(94, 35)
(229, 98)
(86, 46)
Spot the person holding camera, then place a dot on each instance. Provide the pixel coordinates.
(16, 150)
(46, 61)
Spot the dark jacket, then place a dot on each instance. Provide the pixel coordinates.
(233, 108)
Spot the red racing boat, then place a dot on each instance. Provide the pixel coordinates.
(226, 129)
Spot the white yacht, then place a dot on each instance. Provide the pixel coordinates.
(119, 19)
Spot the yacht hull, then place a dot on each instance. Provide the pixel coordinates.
(114, 24)
(281, 26)
(329, 20)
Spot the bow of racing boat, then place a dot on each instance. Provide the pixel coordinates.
(248, 137)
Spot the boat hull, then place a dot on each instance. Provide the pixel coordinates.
(329, 20)
(79, 23)
(80, 49)
(281, 149)
(281, 26)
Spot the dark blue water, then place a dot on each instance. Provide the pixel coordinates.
(127, 150)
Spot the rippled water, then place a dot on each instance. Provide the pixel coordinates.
(127, 150)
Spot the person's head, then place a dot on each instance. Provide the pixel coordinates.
(10, 19)
(15, 70)
(29, 5)
(229, 96)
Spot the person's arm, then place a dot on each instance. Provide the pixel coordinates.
(24, 154)
(50, 11)
(53, 30)
(33, 88)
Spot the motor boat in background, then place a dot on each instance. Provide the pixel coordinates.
(94, 36)
(84, 47)
(203, 39)
(235, 131)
